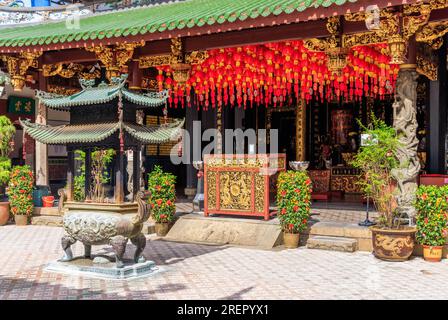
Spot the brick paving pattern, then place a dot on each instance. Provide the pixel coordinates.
(191, 271)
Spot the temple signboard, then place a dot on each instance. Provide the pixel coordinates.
(21, 105)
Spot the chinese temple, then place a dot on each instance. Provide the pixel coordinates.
(314, 70)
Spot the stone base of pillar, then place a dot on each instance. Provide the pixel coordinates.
(190, 193)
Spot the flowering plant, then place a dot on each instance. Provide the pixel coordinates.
(163, 195)
(20, 190)
(377, 159)
(293, 200)
(432, 217)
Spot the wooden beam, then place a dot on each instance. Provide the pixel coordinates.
(68, 55)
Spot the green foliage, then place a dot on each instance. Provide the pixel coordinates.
(5, 170)
(432, 218)
(20, 190)
(293, 200)
(79, 193)
(7, 131)
(163, 194)
(376, 161)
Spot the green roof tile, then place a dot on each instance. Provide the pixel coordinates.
(92, 133)
(155, 18)
(101, 94)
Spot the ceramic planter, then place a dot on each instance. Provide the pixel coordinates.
(4, 213)
(432, 253)
(393, 244)
(21, 219)
(291, 240)
(162, 228)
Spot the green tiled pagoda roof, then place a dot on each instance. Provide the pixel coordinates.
(91, 133)
(156, 18)
(101, 94)
(153, 135)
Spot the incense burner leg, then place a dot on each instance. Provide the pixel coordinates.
(66, 242)
(118, 243)
(88, 251)
(140, 242)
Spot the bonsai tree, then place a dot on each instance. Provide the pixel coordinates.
(20, 190)
(163, 195)
(432, 215)
(376, 159)
(100, 161)
(293, 200)
(7, 131)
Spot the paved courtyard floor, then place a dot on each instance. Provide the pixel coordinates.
(190, 271)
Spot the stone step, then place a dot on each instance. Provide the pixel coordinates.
(46, 211)
(332, 243)
(50, 220)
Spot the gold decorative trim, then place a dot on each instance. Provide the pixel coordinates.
(364, 38)
(116, 57)
(18, 66)
(300, 130)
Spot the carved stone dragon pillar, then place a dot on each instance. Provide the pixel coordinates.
(405, 123)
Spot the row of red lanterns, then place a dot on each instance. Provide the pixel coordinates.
(272, 74)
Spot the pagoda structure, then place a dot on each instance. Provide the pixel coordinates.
(107, 116)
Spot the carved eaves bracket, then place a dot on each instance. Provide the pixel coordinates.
(70, 70)
(176, 56)
(17, 67)
(115, 58)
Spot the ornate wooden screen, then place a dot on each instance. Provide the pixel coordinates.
(240, 184)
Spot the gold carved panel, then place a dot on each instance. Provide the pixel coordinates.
(259, 193)
(211, 189)
(348, 184)
(235, 190)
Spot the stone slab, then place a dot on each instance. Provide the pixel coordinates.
(104, 270)
(332, 243)
(225, 230)
(52, 221)
(46, 211)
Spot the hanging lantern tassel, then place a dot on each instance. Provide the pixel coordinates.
(121, 141)
(24, 145)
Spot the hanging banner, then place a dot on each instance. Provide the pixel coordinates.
(21, 105)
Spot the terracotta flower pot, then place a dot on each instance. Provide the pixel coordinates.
(432, 253)
(21, 219)
(291, 240)
(4, 213)
(162, 228)
(393, 244)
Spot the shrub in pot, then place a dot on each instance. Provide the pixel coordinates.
(7, 131)
(20, 192)
(377, 159)
(431, 220)
(293, 202)
(162, 199)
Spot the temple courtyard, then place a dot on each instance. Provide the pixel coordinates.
(192, 271)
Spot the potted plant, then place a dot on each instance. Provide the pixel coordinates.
(293, 202)
(431, 220)
(377, 158)
(7, 131)
(162, 199)
(20, 192)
